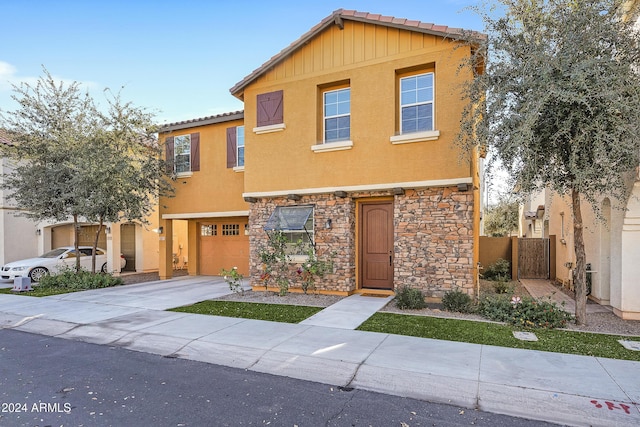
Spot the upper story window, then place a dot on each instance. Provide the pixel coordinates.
(235, 147)
(337, 115)
(416, 103)
(240, 145)
(183, 153)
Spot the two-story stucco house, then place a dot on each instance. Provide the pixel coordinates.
(18, 235)
(348, 137)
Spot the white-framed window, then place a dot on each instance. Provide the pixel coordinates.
(299, 241)
(337, 115)
(182, 153)
(239, 146)
(295, 223)
(416, 103)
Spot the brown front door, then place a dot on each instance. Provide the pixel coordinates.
(376, 245)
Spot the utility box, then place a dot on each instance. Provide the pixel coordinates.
(22, 284)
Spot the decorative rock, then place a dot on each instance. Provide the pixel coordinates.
(630, 345)
(525, 336)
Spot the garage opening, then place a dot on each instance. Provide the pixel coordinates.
(224, 244)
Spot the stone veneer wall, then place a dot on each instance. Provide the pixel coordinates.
(433, 238)
(339, 240)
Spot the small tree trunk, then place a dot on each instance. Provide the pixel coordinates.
(95, 245)
(76, 244)
(580, 271)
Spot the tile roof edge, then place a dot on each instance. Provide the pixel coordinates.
(201, 121)
(336, 18)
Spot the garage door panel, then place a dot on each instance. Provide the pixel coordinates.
(219, 251)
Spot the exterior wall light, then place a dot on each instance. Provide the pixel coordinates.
(327, 224)
(463, 187)
(158, 230)
(38, 232)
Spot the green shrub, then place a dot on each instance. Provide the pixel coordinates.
(457, 301)
(499, 271)
(502, 287)
(409, 298)
(82, 280)
(526, 312)
(234, 279)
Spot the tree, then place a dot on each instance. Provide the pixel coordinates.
(125, 174)
(49, 129)
(76, 161)
(558, 103)
(501, 219)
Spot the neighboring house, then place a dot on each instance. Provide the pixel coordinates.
(22, 238)
(612, 242)
(534, 220)
(348, 136)
(18, 239)
(205, 226)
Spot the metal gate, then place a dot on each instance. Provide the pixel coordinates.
(533, 258)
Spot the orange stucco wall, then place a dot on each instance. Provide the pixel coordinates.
(214, 188)
(370, 59)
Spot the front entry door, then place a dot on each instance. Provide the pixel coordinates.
(376, 245)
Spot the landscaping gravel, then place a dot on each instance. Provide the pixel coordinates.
(291, 298)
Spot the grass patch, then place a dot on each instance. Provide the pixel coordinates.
(68, 281)
(250, 310)
(570, 342)
(39, 291)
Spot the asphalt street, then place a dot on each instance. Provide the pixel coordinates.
(46, 381)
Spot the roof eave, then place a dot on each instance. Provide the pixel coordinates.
(187, 124)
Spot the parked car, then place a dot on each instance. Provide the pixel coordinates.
(55, 260)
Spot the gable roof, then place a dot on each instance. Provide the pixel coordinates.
(337, 18)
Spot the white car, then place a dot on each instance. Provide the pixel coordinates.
(54, 261)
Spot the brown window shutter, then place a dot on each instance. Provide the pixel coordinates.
(169, 150)
(231, 147)
(195, 152)
(270, 108)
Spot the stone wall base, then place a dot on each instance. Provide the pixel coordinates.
(433, 239)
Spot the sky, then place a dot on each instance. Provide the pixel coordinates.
(177, 59)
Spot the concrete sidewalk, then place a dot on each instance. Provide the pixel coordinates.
(567, 389)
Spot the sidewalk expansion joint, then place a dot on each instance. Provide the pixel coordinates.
(631, 400)
(477, 404)
(355, 372)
